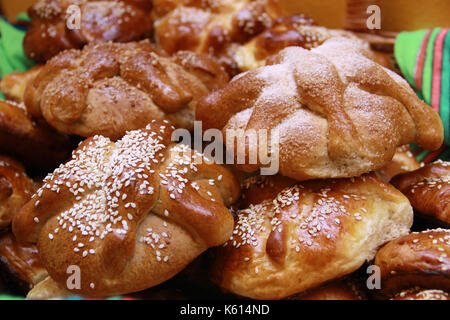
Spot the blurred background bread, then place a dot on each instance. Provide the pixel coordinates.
(397, 14)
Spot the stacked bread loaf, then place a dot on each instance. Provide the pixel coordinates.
(133, 211)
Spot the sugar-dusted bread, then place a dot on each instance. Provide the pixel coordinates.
(332, 111)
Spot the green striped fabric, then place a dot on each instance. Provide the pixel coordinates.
(424, 59)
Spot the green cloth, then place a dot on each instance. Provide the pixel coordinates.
(406, 47)
(445, 87)
(424, 59)
(12, 55)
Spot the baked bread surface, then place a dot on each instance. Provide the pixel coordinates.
(16, 188)
(213, 27)
(308, 234)
(428, 190)
(109, 88)
(34, 143)
(334, 111)
(417, 259)
(129, 214)
(100, 20)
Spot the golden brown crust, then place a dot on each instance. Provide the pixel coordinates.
(403, 161)
(105, 20)
(211, 27)
(287, 31)
(420, 294)
(309, 234)
(48, 289)
(16, 189)
(13, 85)
(35, 144)
(110, 88)
(130, 214)
(21, 261)
(338, 113)
(418, 259)
(428, 190)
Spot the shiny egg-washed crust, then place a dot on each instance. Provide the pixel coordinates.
(129, 214)
(16, 188)
(428, 190)
(109, 88)
(13, 84)
(212, 26)
(420, 294)
(308, 234)
(34, 143)
(21, 262)
(403, 161)
(106, 20)
(287, 31)
(49, 289)
(418, 259)
(332, 111)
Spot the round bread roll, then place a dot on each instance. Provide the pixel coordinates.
(428, 190)
(418, 294)
(16, 188)
(417, 259)
(51, 28)
(109, 88)
(129, 214)
(331, 112)
(308, 234)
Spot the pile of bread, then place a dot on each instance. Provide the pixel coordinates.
(92, 182)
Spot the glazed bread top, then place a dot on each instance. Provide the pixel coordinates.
(417, 259)
(212, 26)
(109, 88)
(287, 31)
(34, 143)
(100, 20)
(295, 238)
(428, 190)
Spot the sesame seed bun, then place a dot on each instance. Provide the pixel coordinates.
(308, 234)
